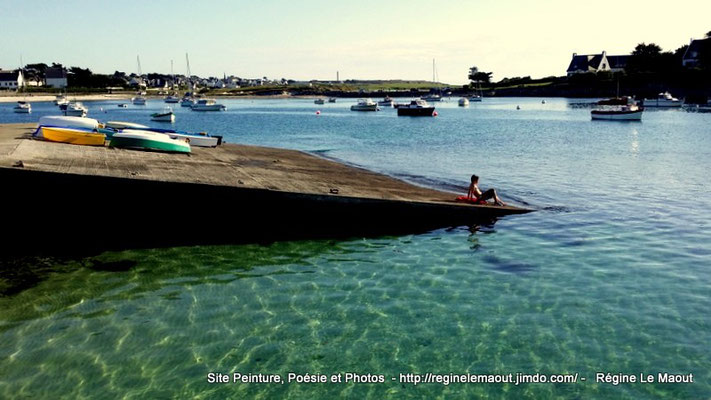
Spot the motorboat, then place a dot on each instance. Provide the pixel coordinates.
(475, 98)
(76, 109)
(166, 116)
(387, 102)
(663, 100)
(187, 102)
(416, 108)
(81, 136)
(148, 140)
(463, 102)
(60, 99)
(319, 101)
(617, 109)
(68, 122)
(331, 99)
(22, 107)
(138, 100)
(171, 99)
(123, 105)
(365, 105)
(433, 97)
(207, 105)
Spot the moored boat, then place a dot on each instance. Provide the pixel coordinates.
(147, 140)
(123, 105)
(76, 109)
(22, 107)
(138, 100)
(475, 98)
(386, 102)
(81, 136)
(331, 99)
(432, 97)
(416, 108)
(207, 105)
(365, 105)
(165, 116)
(617, 109)
(171, 99)
(319, 101)
(187, 102)
(663, 100)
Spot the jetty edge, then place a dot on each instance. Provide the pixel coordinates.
(76, 199)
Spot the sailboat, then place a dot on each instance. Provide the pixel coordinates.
(188, 100)
(139, 100)
(434, 95)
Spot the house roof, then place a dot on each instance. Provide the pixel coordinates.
(578, 63)
(584, 62)
(6, 75)
(55, 73)
(617, 61)
(696, 47)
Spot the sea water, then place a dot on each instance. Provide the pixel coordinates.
(610, 275)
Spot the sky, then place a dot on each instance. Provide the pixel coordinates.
(312, 39)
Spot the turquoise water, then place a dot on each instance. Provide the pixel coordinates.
(611, 274)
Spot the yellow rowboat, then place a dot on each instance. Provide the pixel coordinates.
(73, 136)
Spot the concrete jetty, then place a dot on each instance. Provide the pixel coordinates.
(72, 198)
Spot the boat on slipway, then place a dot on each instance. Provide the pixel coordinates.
(22, 107)
(365, 105)
(201, 139)
(68, 122)
(81, 136)
(416, 108)
(166, 116)
(148, 140)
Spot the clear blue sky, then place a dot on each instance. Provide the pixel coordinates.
(312, 39)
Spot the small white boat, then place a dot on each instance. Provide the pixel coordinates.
(76, 109)
(463, 102)
(663, 100)
(475, 98)
(319, 101)
(200, 139)
(171, 99)
(123, 125)
(386, 102)
(365, 105)
(138, 101)
(68, 122)
(165, 116)
(22, 107)
(207, 105)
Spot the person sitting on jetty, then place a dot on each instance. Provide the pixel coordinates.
(475, 194)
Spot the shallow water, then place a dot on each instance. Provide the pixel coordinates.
(611, 274)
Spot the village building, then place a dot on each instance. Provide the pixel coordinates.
(56, 77)
(11, 79)
(594, 63)
(692, 56)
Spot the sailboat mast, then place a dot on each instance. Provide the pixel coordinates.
(187, 63)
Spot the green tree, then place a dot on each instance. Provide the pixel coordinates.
(479, 77)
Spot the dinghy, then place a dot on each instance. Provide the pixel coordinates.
(82, 136)
(68, 122)
(123, 125)
(165, 116)
(147, 140)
